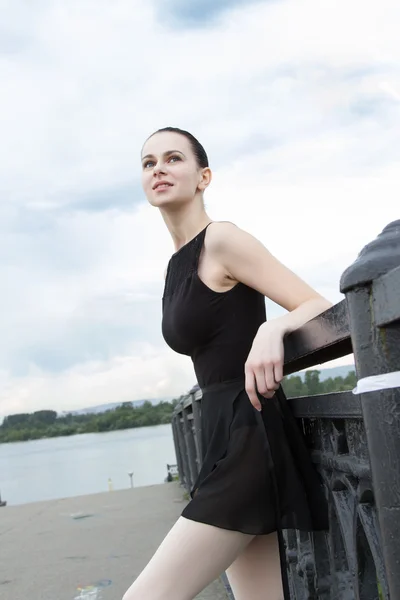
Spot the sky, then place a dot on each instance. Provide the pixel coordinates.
(297, 103)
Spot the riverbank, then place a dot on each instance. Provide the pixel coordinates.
(86, 547)
(44, 470)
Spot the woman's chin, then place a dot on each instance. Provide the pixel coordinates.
(167, 202)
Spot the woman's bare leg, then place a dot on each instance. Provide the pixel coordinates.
(191, 556)
(256, 572)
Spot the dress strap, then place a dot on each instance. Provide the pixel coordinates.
(198, 246)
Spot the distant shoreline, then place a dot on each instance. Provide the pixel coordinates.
(47, 424)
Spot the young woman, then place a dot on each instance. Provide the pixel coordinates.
(256, 477)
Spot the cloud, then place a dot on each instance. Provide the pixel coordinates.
(123, 197)
(197, 13)
(78, 291)
(298, 106)
(143, 373)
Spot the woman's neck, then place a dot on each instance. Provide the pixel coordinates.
(185, 224)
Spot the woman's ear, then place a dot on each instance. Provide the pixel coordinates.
(205, 179)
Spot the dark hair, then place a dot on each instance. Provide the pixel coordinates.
(198, 150)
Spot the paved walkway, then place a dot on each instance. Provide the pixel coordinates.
(87, 547)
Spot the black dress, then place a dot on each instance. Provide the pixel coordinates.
(257, 476)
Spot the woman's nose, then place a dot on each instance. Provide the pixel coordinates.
(158, 168)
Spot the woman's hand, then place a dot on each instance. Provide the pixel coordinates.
(264, 365)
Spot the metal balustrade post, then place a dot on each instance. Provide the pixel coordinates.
(179, 460)
(197, 430)
(190, 447)
(186, 479)
(377, 351)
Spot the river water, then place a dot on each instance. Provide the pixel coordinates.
(84, 464)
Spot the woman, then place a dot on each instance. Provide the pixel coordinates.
(256, 477)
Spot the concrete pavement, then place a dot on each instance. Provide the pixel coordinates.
(87, 547)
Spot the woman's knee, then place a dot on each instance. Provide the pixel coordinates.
(136, 594)
(130, 595)
(153, 588)
(149, 594)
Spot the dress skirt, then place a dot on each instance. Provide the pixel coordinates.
(256, 476)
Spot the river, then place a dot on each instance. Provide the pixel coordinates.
(83, 464)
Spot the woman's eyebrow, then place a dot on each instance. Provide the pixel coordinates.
(165, 153)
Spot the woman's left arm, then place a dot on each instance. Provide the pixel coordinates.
(247, 260)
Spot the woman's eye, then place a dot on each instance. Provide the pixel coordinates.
(150, 163)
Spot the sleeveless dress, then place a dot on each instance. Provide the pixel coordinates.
(256, 476)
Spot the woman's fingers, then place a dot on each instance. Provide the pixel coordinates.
(250, 386)
(264, 365)
(260, 380)
(278, 372)
(269, 370)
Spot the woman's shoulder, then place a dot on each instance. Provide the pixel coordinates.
(218, 231)
(223, 235)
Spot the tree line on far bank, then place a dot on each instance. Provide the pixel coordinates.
(46, 423)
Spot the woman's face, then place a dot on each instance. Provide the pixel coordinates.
(170, 174)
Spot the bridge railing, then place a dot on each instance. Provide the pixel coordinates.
(354, 439)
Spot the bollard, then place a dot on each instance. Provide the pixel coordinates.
(376, 347)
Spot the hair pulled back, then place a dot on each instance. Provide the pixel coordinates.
(198, 150)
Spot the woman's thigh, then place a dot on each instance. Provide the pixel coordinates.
(256, 572)
(191, 556)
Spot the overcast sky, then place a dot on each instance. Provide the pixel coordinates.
(297, 103)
